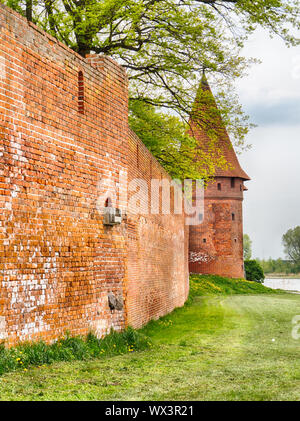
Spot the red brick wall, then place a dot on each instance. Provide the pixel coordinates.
(157, 248)
(57, 261)
(216, 245)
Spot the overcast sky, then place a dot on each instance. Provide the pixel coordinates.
(271, 96)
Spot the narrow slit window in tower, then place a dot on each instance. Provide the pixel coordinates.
(219, 186)
(232, 182)
(233, 216)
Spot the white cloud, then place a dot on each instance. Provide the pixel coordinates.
(271, 95)
(272, 203)
(277, 77)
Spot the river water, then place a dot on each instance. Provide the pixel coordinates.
(281, 283)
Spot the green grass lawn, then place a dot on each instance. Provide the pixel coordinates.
(231, 345)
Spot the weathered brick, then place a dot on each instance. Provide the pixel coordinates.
(58, 262)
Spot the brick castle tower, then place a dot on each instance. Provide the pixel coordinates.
(216, 245)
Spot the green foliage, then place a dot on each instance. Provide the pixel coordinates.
(291, 243)
(71, 348)
(166, 44)
(279, 266)
(254, 271)
(213, 284)
(247, 245)
(167, 138)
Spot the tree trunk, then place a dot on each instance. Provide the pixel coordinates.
(29, 10)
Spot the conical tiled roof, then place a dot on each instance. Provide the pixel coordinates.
(205, 117)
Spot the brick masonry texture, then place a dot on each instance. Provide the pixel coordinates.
(157, 247)
(64, 142)
(64, 138)
(216, 245)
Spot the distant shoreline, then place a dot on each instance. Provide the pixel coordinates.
(282, 276)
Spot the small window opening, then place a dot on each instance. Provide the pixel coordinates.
(240, 187)
(200, 217)
(233, 216)
(232, 182)
(108, 203)
(204, 240)
(80, 92)
(219, 186)
(235, 240)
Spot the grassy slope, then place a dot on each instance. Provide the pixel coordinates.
(220, 347)
(213, 284)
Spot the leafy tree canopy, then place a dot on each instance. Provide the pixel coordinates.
(247, 244)
(291, 243)
(254, 271)
(167, 138)
(166, 44)
(279, 266)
